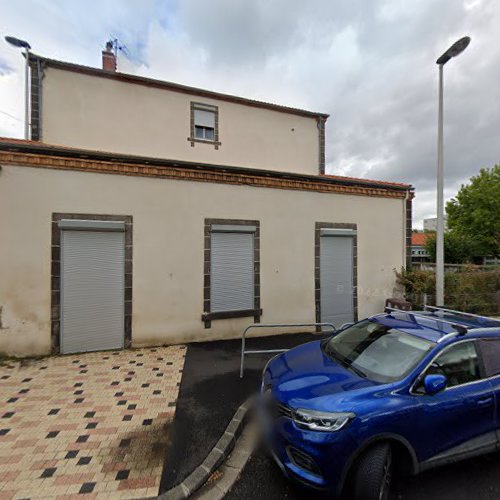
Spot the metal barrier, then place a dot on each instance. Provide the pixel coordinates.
(267, 351)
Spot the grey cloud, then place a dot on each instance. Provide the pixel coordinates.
(5, 68)
(370, 65)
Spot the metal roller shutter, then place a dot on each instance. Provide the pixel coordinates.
(336, 279)
(232, 271)
(92, 290)
(204, 118)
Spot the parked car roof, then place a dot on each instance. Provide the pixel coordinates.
(432, 326)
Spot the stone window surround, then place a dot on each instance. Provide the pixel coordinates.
(256, 312)
(204, 107)
(408, 221)
(321, 122)
(317, 280)
(55, 280)
(36, 78)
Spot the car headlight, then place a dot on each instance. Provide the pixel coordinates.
(320, 420)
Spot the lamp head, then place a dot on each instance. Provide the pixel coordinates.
(17, 42)
(457, 48)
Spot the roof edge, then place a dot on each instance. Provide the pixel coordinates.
(175, 87)
(43, 149)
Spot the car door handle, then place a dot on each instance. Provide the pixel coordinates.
(484, 401)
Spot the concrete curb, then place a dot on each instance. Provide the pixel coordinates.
(221, 482)
(214, 459)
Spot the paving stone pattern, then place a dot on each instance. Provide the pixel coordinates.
(91, 425)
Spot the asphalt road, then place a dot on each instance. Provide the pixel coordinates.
(210, 393)
(477, 479)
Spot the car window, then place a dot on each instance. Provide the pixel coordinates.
(490, 352)
(377, 351)
(459, 364)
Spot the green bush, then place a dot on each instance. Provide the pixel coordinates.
(471, 290)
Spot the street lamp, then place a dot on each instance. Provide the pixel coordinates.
(457, 48)
(22, 44)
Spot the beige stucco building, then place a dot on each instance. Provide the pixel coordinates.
(146, 213)
(108, 111)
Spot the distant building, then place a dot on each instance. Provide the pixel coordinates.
(418, 251)
(430, 224)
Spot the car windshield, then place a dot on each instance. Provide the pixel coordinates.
(376, 351)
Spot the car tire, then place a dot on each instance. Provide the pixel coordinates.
(373, 474)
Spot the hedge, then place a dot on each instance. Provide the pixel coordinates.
(472, 291)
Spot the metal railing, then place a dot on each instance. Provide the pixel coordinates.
(274, 325)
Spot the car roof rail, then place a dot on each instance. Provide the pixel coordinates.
(461, 313)
(460, 329)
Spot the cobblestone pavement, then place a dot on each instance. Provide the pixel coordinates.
(88, 425)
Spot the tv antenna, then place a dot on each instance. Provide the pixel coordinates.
(116, 46)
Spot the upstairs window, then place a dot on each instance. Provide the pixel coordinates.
(204, 124)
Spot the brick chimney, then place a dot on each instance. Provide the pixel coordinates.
(108, 58)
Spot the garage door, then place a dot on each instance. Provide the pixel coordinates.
(92, 285)
(336, 278)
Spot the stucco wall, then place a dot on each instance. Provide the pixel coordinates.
(108, 115)
(168, 219)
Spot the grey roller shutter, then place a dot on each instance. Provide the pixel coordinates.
(204, 118)
(232, 271)
(336, 279)
(92, 290)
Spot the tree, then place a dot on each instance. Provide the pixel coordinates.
(458, 249)
(475, 212)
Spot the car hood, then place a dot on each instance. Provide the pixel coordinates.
(304, 377)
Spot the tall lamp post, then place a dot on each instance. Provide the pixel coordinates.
(457, 48)
(22, 44)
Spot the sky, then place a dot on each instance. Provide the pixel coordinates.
(370, 64)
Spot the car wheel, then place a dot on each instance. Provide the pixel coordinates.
(373, 475)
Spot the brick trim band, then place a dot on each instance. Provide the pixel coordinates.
(221, 175)
(55, 280)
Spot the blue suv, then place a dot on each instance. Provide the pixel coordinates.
(403, 391)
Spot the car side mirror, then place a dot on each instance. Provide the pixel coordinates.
(434, 384)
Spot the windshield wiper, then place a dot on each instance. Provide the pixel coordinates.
(343, 361)
(357, 371)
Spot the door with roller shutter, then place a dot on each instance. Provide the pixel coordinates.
(336, 278)
(92, 285)
(232, 270)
